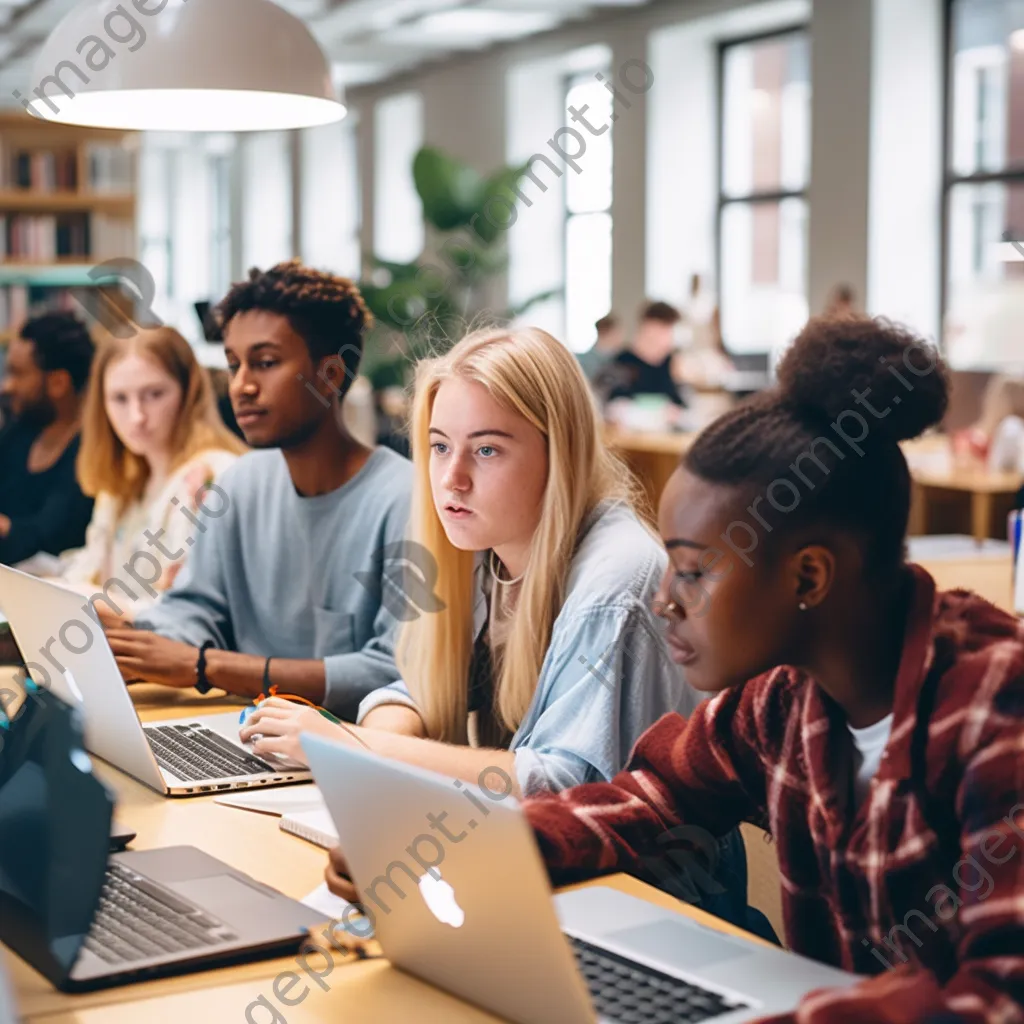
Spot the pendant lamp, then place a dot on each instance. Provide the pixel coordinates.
(182, 65)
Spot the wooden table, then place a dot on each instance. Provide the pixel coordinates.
(368, 991)
(653, 457)
(991, 578)
(989, 492)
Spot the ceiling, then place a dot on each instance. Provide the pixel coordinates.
(366, 40)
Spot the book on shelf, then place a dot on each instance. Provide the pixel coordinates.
(20, 301)
(44, 238)
(111, 237)
(111, 169)
(38, 170)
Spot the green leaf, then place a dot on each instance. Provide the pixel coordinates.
(449, 190)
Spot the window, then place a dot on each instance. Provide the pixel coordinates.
(984, 190)
(398, 232)
(588, 217)
(156, 203)
(765, 102)
(330, 198)
(267, 199)
(220, 215)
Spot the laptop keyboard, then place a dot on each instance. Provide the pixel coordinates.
(630, 993)
(138, 919)
(194, 753)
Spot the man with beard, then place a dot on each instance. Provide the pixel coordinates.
(286, 585)
(42, 508)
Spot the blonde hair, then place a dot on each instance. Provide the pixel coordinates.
(534, 375)
(104, 463)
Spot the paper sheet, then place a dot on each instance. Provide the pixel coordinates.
(279, 800)
(322, 900)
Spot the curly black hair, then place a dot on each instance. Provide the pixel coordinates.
(805, 453)
(61, 341)
(327, 311)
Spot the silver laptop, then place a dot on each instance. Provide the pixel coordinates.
(457, 894)
(180, 757)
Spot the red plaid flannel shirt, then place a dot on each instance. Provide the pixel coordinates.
(921, 887)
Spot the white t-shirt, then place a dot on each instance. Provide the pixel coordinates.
(870, 742)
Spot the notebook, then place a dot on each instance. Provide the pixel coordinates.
(314, 826)
(289, 800)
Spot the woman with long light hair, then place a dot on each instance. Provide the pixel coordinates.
(528, 652)
(152, 443)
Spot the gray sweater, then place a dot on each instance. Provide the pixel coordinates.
(278, 574)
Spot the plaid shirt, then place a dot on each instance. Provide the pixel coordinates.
(922, 886)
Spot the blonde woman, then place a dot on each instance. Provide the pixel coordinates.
(536, 662)
(152, 442)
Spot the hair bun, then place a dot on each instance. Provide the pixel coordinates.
(872, 367)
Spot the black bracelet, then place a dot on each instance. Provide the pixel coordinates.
(203, 685)
(266, 678)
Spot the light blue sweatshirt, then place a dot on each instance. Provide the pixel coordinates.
(292, 577)
(607, 674)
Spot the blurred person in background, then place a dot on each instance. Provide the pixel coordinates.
(610, 339)
(42, 508)
(645, 367)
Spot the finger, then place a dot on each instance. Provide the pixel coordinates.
(128, 663)
(267, 728)
(340, 885)
(276, 702)
(126, 644)
(261, 713)
(277, 746)
(256, 722)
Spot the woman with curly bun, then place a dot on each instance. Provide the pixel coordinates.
(872, 724)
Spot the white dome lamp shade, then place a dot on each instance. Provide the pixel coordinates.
(182, 65)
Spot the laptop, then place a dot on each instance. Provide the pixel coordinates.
(8, 1015)
(457, 895)
(88, 919)
(180, 757)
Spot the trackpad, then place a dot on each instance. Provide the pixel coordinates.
(222, 892)
(683, 945)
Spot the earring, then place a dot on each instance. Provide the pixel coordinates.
(802, 606)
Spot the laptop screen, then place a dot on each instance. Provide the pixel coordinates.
(55, 820)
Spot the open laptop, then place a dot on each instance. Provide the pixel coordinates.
(8, 1014)
(88, 919)
(180, 757)
(469, 909)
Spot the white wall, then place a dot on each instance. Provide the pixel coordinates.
(682, 140)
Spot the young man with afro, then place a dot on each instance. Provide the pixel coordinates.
(285, 586)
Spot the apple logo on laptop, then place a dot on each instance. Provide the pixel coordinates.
(439, 897)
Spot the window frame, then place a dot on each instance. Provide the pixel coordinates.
(570, 80)
(754, 198)
(950, 178)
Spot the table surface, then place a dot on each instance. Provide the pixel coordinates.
(253, 843)
(927, 457)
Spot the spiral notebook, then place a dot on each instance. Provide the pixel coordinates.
(313, 826)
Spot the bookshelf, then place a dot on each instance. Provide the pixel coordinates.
(67, 203)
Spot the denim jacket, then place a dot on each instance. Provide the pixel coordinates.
(606, 675)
